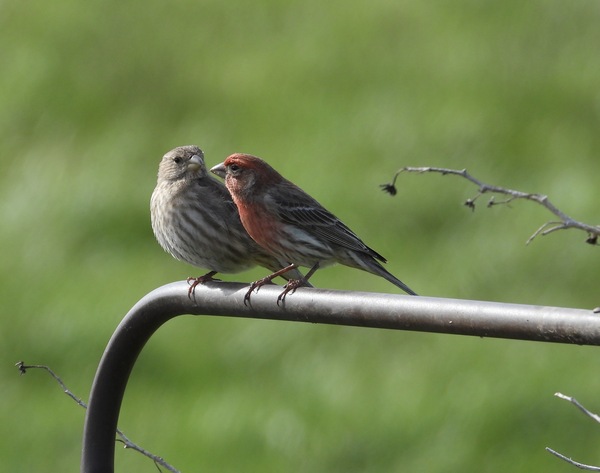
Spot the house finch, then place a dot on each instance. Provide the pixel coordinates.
(291, 225)
(195, 220)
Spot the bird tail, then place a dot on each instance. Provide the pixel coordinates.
(374, 267)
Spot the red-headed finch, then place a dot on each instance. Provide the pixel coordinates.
(291, 225)
(195, 220)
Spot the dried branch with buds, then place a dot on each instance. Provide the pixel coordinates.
(588, 413)
(565, 222)
(158, 461)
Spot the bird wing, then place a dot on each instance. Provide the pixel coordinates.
(301, 210)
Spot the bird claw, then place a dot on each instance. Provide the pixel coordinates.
(290, 288)
(257, 285)
(247, 296)
(193, 282)
(249, 293)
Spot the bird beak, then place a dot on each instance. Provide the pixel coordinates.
(220, 170)
(196, 162)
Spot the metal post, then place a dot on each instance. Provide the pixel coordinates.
(390, 311)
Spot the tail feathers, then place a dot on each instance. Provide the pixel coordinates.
(374, 267)
(400, 284)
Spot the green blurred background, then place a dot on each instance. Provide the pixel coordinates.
(337, 96)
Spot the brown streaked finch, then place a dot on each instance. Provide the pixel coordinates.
(292, 226)
(195, 220)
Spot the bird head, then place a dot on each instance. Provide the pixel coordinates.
(181, 163)
(245, 175)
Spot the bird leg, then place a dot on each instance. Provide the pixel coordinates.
(267, 280)
(193, 282)
(294, 284)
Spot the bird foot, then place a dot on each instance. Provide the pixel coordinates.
(257, 285)
(193, 282)
(290, 288)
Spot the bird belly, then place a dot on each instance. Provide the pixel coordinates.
(198, 239)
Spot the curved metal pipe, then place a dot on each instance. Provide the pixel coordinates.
(390, 311)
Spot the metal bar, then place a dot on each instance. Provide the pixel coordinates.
(363, 309)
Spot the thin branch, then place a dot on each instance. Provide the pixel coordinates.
(582, 466)
(23, 369)
(588, 413)
(158, 461)
(579, 406)
(564, 223)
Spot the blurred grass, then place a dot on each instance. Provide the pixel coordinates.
(337, 96)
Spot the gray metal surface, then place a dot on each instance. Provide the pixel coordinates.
(389, 311)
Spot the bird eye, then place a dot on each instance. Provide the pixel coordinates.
(177, 160)
(234, 167)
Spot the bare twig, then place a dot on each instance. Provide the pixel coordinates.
(158, 461)
(564, 223)
(23, 369)
(582, 466)
(579, 406)
(588, 413)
